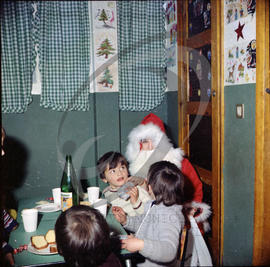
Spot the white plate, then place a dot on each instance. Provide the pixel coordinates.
(50, 207)
(45, 251)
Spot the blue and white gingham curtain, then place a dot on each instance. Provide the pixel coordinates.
(64, 50)
(142, 61)
(17, 55)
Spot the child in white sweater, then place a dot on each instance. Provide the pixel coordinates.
(113, 169)
(157, 231)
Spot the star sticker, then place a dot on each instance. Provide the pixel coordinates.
(239, 30)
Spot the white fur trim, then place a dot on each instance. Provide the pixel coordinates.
(175, 155)
(206, 226)
(153, 132)
(205, 210)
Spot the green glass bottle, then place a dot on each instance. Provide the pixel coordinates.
(69, 186)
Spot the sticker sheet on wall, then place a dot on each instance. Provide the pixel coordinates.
(170, 11)
(105, 46)
(104, 26)
(106, 81)
(170, 8)
(240, 41)
(105, 18)
(241, 63)
(171, 56)
(236, 9)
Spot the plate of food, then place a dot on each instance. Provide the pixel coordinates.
(49, 250)
(43, 244)
(49, 207)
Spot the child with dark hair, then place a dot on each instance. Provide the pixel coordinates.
(83, 238)
(7, 223)
(157, 231)
(123, 191)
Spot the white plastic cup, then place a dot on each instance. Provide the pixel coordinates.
(93, 194)
(30, 219)
(56, 192)
(101, 205)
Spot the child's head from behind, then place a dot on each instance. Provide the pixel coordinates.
(166, 182)
(82, 236)
(113, 169)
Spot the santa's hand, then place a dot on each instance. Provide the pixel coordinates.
(119, 214)
(191, 212)
(134, 195)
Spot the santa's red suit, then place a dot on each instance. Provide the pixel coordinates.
(152, 128)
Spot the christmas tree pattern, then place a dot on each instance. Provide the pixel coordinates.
(103, 17)
(106, 80)
(105, 49)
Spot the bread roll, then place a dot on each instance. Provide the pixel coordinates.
(39, 242)
(50, 236)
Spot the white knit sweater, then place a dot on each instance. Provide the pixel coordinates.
(131, 210)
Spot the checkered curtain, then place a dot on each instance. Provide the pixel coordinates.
(64, 50)
(141, 41)
(17, 60)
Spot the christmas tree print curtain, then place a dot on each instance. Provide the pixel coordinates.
(141, 41)
(64, 50)
(17, 55)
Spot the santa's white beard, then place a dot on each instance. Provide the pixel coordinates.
(141, 165)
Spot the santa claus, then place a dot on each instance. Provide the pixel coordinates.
(147, 144)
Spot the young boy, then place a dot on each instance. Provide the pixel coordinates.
(83, 238)
(113, 169)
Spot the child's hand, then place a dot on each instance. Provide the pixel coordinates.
(132, 244)
(119, 214)
(134, 194)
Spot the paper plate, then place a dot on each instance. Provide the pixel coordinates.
(50, 207)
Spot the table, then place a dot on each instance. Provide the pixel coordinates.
(46, 221)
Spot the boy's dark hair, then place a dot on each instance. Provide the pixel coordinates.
(110, 159)
(167, 183)
(83, 236)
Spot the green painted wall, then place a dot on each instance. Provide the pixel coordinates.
(239, 153)
(38, 140)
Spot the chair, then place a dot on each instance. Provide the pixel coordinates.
(183, 245)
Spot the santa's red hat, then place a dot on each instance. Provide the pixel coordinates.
(155, 120)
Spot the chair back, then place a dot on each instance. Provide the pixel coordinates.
(183, 245)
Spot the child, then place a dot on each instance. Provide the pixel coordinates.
(83, 238)
(7, 223)
(113, 169)
(157, 231)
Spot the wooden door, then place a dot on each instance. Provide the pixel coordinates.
(261, 244)
(199, 96)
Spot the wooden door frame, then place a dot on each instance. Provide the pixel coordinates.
(261, 235)
(217, 22)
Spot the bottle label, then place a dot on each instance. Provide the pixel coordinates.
(66, 200)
